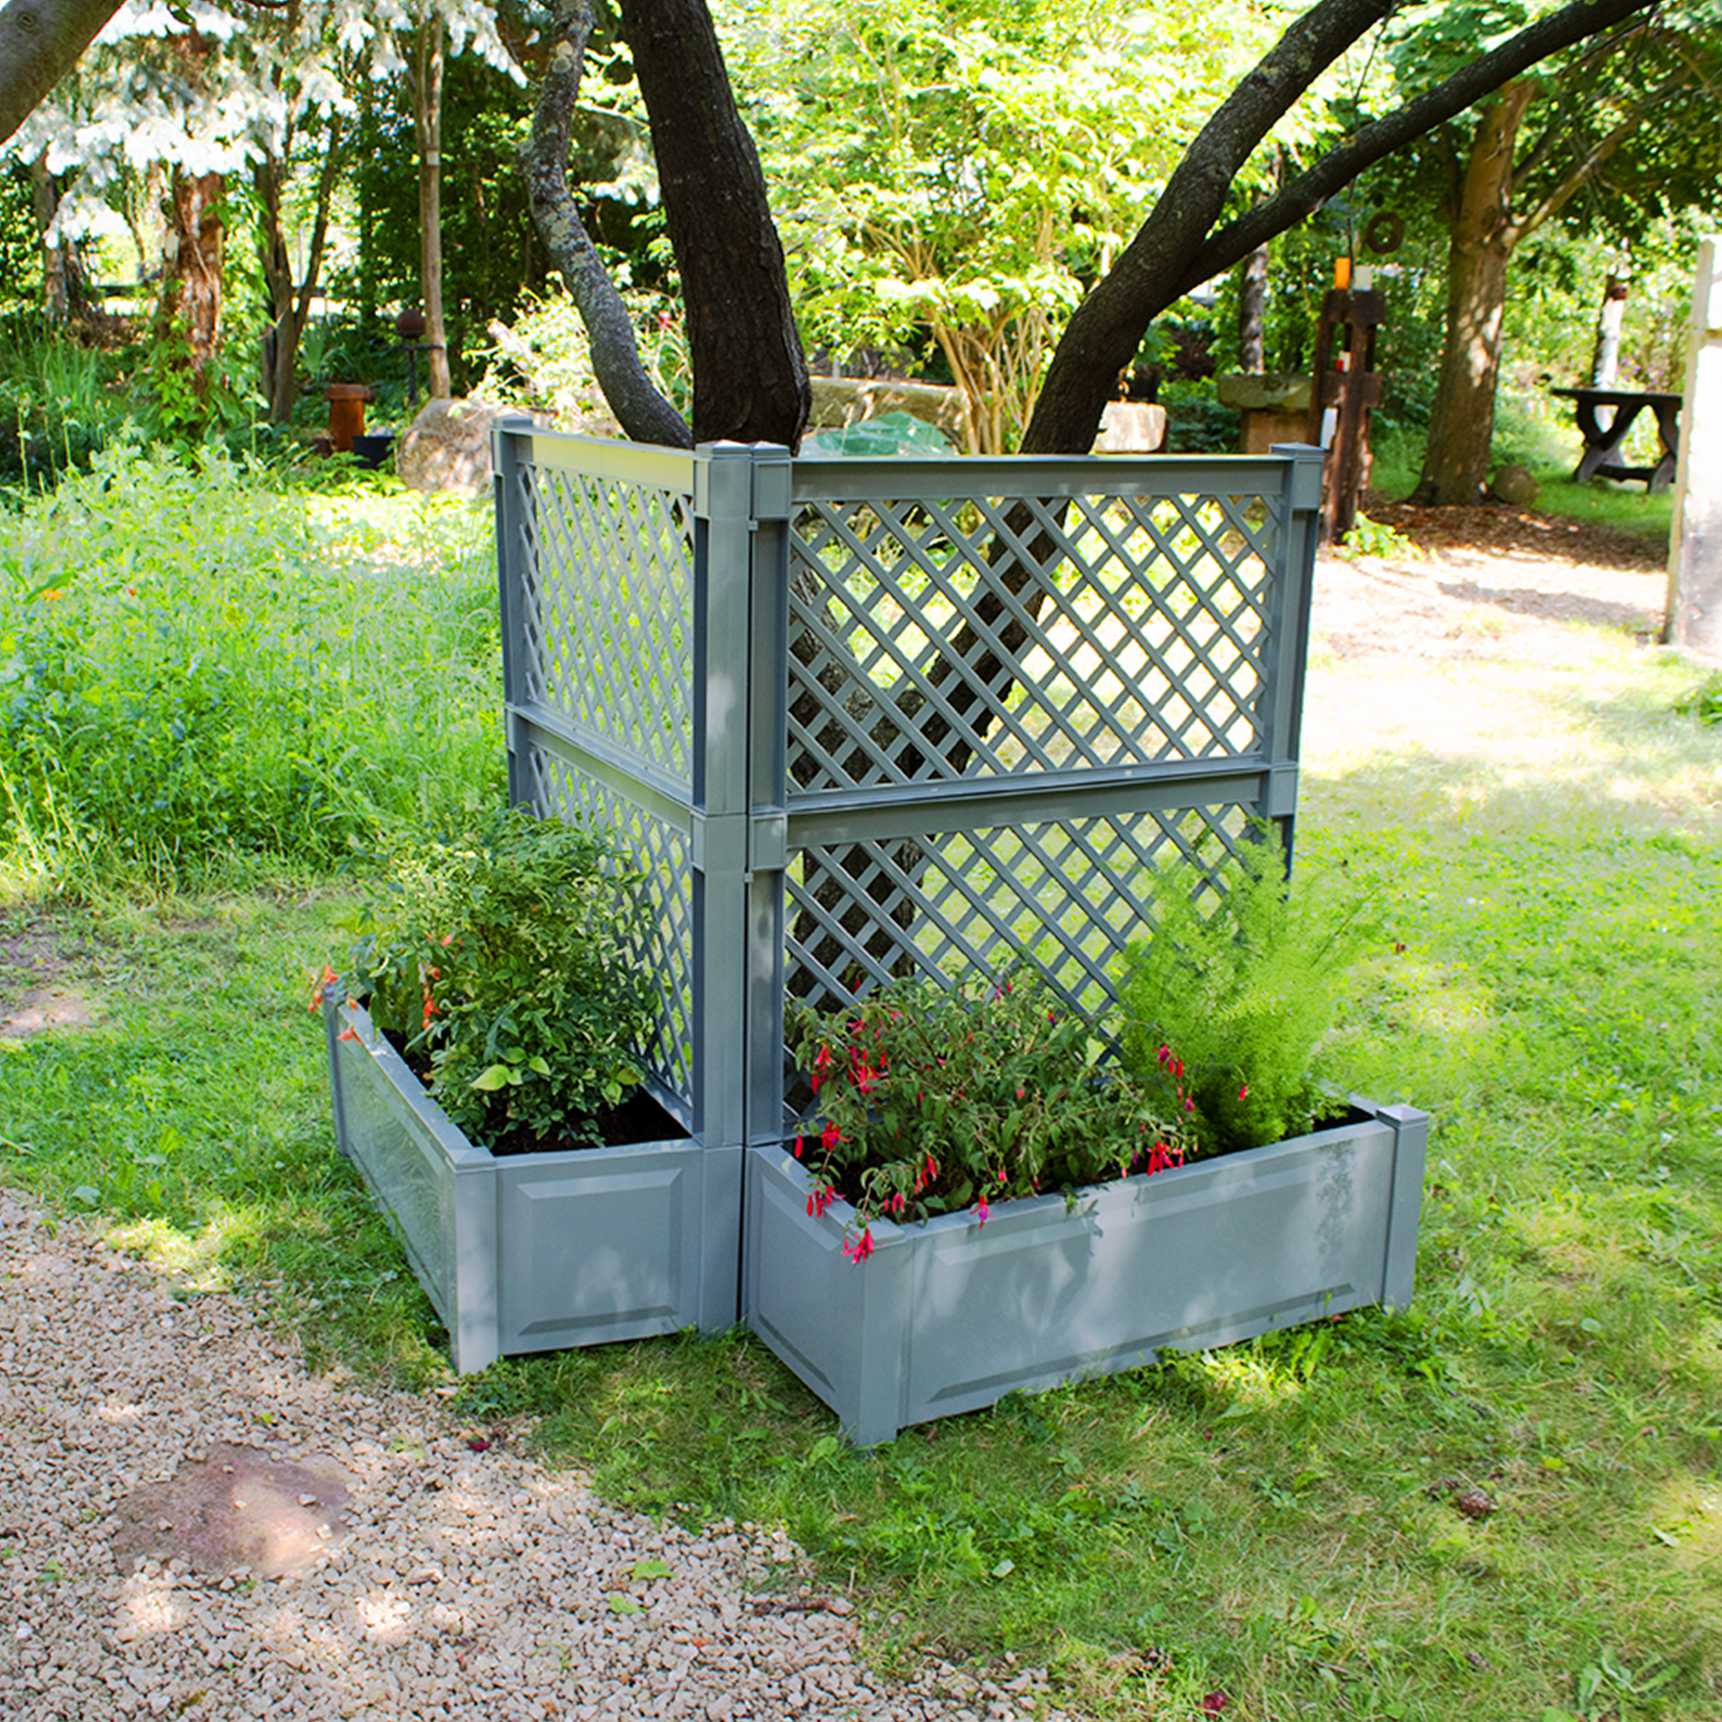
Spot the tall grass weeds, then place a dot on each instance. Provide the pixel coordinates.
(205, 674)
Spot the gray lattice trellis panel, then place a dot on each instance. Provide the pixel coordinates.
(664, 947)
(607, 610)
(1065, 896)
(1001, 636)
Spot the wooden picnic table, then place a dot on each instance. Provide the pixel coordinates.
(1601, 458)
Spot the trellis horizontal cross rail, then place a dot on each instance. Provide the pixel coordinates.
(851, 719)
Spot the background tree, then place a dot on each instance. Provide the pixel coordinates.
(1627, 115)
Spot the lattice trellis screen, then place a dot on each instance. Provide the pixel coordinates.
(857, 718)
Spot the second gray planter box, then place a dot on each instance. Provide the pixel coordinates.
(534, 1252)
(948, 1315)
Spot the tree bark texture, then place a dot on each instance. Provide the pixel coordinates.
(1605, 357)
(197, 242)
(640, 408)
(64, 295)
(1252, 313)
(427, 123)
(1480, 242)
(750, 376)
(290, 308)
(40, 41)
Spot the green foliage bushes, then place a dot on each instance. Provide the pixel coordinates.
(499, 959)
(1232, 1004)
(200, 671)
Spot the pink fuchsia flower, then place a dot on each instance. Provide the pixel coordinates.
(1002, 1175)
(1022, 1094)
(982, 1212)
(829, 1137)
(1164, 1054)
(1243, 1091)
(859, 1249)
(1189, 1104)
(821, 1199)
(821, 1064)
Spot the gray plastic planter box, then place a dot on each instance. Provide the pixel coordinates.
(948, 1316)
(534, 1252)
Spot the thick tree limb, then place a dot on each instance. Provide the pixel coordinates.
(40, 41)
(750, 378)
(1379, 139)
(1108, 326)
(640, 409)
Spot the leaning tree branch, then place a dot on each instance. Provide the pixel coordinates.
(1107, 327)
(639, 406)
(750, 376)
(40, 41)
(1573, 23)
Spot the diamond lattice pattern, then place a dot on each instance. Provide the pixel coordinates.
(608, 611)
(663, 946)
(936, 640)
(1067, 897)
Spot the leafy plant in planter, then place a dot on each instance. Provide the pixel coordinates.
(930, 1099)
(498, 961)
(1230, 1007)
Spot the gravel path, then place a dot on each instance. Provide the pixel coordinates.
(458, 1583)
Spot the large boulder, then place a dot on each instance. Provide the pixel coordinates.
(448, 447)
(1131, 427)
(1515, 486)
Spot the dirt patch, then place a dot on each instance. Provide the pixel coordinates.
(1495, 582)
(238, 1508)
(44, 1009)
(1496, 530)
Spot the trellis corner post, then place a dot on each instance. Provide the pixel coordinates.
(1288, 625)
(514, 502)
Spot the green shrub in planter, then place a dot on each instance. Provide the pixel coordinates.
(500, 962)
(1231, 1005)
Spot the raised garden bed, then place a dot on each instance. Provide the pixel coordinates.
(538, 1251)
(947, 1316)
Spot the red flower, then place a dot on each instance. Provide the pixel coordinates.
(829, 1137)
(859, 1249)
(821, 1199)
(898, 1203)
(1022, 1094)
(348, 1033)
(932, 1168)
(327, 978)
(821, 1064)
(1164, 1053)
(1244, 1091)
(799, 1140)
(1001, 1174)
(982, 1212)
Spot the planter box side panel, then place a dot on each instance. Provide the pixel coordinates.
(837, 1324)
(1202, 1257)
(389, 1141)
(599, 1246)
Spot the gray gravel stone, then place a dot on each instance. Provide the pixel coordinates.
(462, 1586)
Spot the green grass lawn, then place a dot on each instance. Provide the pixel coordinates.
(1274, 1522)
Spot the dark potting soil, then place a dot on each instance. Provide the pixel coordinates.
(638, 1119)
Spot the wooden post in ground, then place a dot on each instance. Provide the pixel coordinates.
(1694, 620)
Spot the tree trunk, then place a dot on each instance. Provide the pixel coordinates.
(40, 41)
(427, 117)
(290, 311)
(64, 297)
(1481, 241)
(196, 244)
(1605, 358)
(1252, 312)
(750, 376)
(640, 408)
